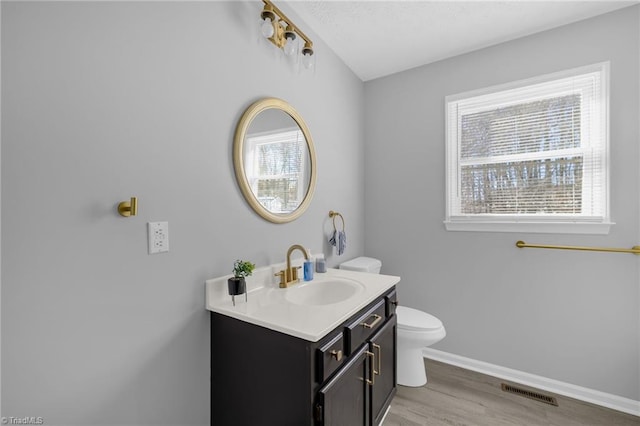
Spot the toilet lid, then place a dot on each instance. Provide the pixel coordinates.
(413, 319)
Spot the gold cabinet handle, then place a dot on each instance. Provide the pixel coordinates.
(379, 349)
(377, 319)
(336, 354)
(371, 381)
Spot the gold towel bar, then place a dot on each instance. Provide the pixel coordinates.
(632, 250)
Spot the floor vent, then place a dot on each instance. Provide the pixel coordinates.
(530, 394)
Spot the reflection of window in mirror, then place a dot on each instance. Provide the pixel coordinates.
(275, 166)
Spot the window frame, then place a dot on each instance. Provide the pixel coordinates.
(542, 223)
(252, 160)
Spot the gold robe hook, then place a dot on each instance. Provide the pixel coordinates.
(128, 208)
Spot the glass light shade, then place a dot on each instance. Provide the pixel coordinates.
(290, 47)
(307, 60)
(266, 28)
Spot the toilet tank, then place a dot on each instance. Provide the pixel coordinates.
(362, 264)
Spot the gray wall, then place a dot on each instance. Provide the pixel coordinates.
(569, 316)
(104, 101)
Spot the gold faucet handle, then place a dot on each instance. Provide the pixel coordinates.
(283, 281)
(294, 273)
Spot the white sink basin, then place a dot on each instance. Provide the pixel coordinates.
(324, 292)
(307, 310)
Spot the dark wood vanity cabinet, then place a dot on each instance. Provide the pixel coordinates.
(344, 400)
(361, 391)
(263, 377)
(383, 347)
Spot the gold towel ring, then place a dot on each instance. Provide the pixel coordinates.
(333, 215)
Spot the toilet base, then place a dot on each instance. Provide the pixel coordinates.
(411, 370)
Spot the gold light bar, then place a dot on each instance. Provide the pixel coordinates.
(284, 18)
(632, 250)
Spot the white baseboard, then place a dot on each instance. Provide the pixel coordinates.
(603, 399)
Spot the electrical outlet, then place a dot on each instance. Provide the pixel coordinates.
(158, 233)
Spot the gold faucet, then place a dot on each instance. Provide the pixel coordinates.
(289, 276)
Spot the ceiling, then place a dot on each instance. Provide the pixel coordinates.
(378, 38)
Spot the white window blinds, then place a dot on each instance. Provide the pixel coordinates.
(530, 152)
(276, 169)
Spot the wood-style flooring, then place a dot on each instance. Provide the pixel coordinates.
(455, 396)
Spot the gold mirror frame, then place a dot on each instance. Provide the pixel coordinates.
(238, 148)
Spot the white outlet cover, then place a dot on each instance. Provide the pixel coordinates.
(158, 236)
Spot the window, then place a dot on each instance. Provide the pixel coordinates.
(276, 165)
(530, 156)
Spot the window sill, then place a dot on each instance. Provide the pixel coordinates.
(599, 228)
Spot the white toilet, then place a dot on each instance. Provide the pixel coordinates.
(416, 330)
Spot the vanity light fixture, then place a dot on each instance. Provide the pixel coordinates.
(283, 33)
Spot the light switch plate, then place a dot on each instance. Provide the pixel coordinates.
(158, 233)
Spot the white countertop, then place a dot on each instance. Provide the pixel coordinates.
(269, 306)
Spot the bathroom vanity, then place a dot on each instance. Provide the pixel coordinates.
(318, 353)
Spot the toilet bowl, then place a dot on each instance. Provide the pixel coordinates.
(416, 330)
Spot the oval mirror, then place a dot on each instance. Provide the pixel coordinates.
(275, 160)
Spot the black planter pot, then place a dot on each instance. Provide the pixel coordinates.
(237, 286)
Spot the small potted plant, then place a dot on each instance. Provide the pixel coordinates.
(241, 270)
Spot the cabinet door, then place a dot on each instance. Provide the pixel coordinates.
(383, 346)
(344, 400)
